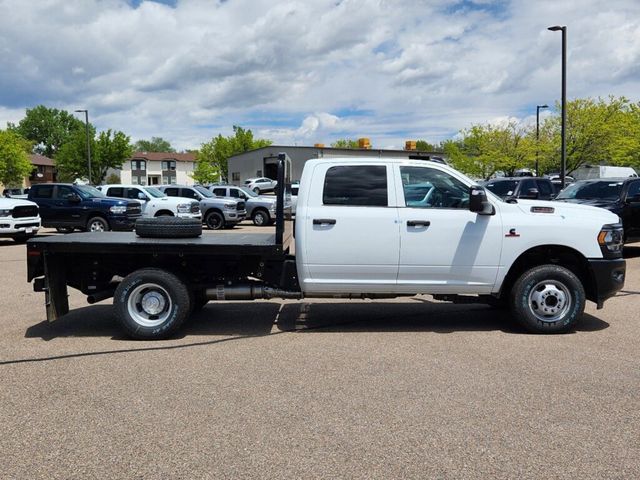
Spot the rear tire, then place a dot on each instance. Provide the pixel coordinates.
(97, 224)
(548, 299)
(256, 190)
(214, 220)
(151, 304)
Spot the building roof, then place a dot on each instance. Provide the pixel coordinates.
(159, 156)
(337, 150)
(37, 159)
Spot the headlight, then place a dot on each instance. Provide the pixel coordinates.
(230, 206)
(184, 208)
(611, 240)
(5, 212)
(118, 209)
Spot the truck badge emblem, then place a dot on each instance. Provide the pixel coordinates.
(512, 233)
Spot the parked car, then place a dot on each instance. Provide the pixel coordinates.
(260, 209)
(260, 184)
(154, 202)
(532, 188)
(618, 195)
(66, 206)
(15, 192)
(19, 219)
(216, 212)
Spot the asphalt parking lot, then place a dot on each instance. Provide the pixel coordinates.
(408, 388)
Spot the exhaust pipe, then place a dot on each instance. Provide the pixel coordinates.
(99, 296)
(248, 292)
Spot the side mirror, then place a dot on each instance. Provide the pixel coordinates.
(74, 198)
(531, 194)
(478, 201)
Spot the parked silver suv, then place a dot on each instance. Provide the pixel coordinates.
(217, 212)
(260, 184)
(261, 209)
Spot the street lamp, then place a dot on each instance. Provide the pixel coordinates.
(86, 125)
(563, 157)
(538, 107)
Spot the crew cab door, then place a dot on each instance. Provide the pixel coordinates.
(66, 211)
(631, 210)
(351, 238)
(444, 247)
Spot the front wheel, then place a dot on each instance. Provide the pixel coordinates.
(151, 304)
(260, 218)
(214, 220)
(548, 299)
(97, 224)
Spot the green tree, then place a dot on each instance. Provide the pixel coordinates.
(345, 143)
(425, 146)
(14, 159)
(156, 144)
(47, 128)
(205, 171)
(109, 150)
(217, 151)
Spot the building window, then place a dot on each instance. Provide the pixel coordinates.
(169, 179)
(235, 177)
(168, 165)
(138, 165)
(139, 179)
(258, 173)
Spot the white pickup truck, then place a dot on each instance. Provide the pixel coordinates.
(19, 219)
(365, 228)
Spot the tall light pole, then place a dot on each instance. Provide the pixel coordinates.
(538, 107)
(563, 157)
(86, 126)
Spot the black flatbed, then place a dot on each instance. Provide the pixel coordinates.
(218, 243)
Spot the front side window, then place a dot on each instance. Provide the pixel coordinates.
(431, 188)
(356, 185)
(42, 191)
(634, 190)
(64, 193)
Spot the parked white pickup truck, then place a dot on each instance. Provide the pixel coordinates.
(365, 228)
(19, 219)
(154, 202)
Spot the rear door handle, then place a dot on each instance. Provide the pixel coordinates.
(324, 221)
(418, 223)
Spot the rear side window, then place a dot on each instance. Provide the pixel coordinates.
(357, 185)
(116, 192)
(172, 192)
(220, 192)
(544, 188)
(42, 191)
(188, 193)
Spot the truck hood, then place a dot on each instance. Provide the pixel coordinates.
(6, 203)
(569, 209)
(111, 200)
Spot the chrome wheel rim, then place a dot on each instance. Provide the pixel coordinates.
(259, 219)
(149, 305)
(96, 226)
(549, 301)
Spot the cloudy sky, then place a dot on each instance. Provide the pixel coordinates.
(307, 71)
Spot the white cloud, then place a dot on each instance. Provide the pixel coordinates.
(390, 70)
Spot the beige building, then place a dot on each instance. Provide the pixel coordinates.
(158, 168)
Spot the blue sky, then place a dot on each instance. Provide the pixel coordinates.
(308, 71)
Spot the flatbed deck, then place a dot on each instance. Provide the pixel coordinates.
(227, 243)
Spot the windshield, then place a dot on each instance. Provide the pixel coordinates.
(502, 189)
(592, 191)
(248, 192)
(87, 191)
(154, 192)
(204, 191)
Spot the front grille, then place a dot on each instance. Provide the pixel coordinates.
(195, 207)
(134, 209)
(25, 211)
(240, 206)
(27, 225)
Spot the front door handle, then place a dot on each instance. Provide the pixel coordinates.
(324, 221)
(418, 223)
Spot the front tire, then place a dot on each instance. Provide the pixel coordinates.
(548, 299)
(260, 218)
(151, 304)
(214, 220)
(97, 224)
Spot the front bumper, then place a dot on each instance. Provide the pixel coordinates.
(189, 215)
(123, 223)
(607, 278)
(20, 226)
(235, 216)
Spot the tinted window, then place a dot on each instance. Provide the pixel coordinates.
(42, 191)
(592, 190)
(294, 191)
(132, 193)
(116, 192)
(431, 188)
(356, 185)
(526, 186)
(544, 188)
(502, 188)
(634, 190)
(188, 193)
(64, 192)
(221, 192)
(172, 192)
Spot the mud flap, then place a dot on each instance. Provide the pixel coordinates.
(56, 296)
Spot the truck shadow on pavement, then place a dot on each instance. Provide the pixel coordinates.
(252, 319)
(631, 251)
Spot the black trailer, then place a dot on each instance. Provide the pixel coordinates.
(157, 283)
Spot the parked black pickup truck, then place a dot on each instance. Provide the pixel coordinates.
(67, 207)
